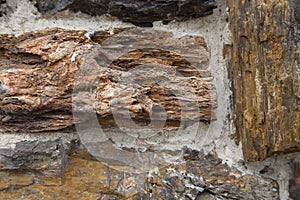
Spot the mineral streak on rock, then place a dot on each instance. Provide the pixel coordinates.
(38, 73)
(265, 76)
(139, 12)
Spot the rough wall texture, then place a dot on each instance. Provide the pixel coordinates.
(199, 176)
(41, 156)
(265, 80)
(265, 76)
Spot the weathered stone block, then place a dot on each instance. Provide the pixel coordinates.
(265, 76)
(206, 174)
(40, 70)
(139, 12)
(46, 157)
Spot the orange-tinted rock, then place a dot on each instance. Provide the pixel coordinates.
(37, 79)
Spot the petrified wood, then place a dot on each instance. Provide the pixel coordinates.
(39, 71)
(139, 12)
(265, 76)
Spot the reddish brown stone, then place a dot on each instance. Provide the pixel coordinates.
(39, 71)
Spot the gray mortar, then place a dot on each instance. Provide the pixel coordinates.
(216, 32)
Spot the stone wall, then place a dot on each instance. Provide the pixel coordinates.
(149, 99)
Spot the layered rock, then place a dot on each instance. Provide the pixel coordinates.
(36, 83)
(40, 70)
(44, 74)
(141, 13)
(265, 75)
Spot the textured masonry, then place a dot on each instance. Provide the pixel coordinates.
(39, 70)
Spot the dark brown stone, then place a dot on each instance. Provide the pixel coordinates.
(264, 69)
(139, 12)
(296, 8)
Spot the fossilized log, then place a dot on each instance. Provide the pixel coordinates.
(139, 12)
(265, 76)
(40, 70)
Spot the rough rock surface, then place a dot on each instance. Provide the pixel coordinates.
(139, 12)
(294, 182)
(46, 61)
(265, 76)
(197, 177)
(46, 157)
(32, 61)
(40, 70)
(200, 173)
